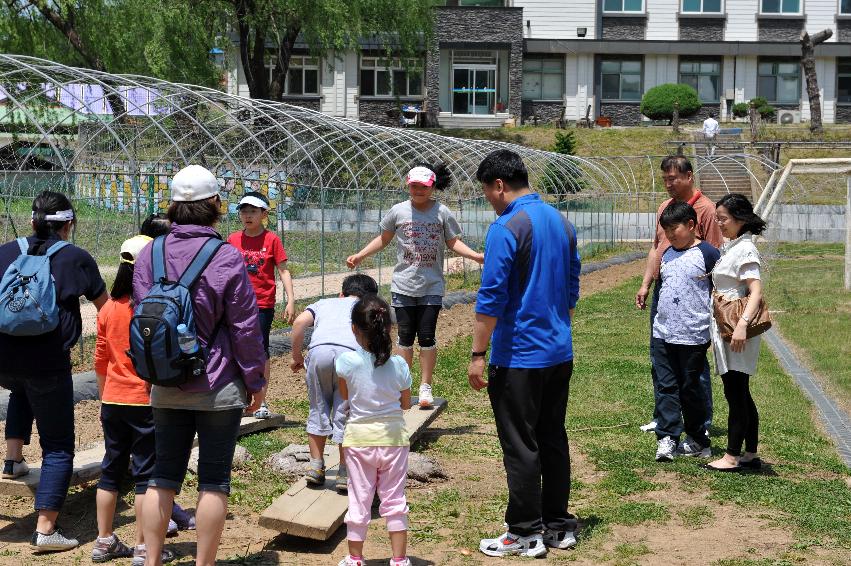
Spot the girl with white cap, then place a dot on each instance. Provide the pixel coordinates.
(421, 226)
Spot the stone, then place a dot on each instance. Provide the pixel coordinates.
(291, 461)
(241, 456)
(424, 469)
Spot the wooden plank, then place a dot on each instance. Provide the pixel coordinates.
(87, 462)
(317, 512)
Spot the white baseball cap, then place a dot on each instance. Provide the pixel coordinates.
(422, 175)
(131, 247)
(193, 183)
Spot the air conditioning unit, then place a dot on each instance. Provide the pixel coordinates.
(788, 116)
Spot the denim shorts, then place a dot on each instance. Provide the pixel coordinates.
(175, 431)
(266, 317)
(400, 300)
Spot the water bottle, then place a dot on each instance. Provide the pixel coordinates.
(186, 340)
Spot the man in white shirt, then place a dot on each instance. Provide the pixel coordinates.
(710, 130)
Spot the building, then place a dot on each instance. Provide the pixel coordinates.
(491, 60)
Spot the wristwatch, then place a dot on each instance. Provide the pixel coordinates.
(481, 354)
(746, 319)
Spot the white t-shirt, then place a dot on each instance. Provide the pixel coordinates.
(710, 127)
(375, 409)
(332, 322)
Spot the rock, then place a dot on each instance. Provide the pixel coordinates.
(287, 465)
(424, 469)
(240, 457)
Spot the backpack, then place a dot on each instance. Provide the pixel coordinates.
(28, 294)
(154, 348)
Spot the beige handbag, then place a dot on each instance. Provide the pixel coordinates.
(727, 314)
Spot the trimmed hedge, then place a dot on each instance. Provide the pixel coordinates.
(658, 102)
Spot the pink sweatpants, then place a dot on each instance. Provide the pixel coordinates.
(384, 468)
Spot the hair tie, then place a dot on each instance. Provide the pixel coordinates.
(58, 216)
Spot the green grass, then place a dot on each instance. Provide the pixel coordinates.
(805, 284)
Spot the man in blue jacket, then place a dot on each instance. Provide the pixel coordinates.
(530, 285)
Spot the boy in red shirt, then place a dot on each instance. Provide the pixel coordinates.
(263, 253)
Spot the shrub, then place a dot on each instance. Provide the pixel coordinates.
(658, 102)
(759, 101)
(740, 110)
(565, 142)
(766, 111)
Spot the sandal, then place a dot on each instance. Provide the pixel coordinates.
(728, 470)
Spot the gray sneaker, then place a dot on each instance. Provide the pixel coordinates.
(690, 447)
(665, 449)
(559, 539)
(139, 555)
(53, 542)
(263, 412)
(104, 551)
(342, 482)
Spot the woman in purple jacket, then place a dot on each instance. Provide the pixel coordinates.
(211, 405)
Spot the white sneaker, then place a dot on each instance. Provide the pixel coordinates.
(559, 539)
(665, 449)
(349, 561)
(690, 447)
(426, 398)
(53, 542)
(14, 469)
(404, 562)
(513, 545)
(649, 427)
(263, 412)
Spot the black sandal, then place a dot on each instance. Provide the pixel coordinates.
(754, 464)
(734, 469)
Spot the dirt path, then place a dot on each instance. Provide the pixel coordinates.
(242, 535)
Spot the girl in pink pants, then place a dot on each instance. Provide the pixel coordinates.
(375, 445)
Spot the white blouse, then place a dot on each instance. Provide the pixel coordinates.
(739, 262)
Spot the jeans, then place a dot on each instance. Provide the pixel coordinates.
(529, 407)
(655, 344)
(678, 368)
(743, 420)
(175, 431)
(50, 401)
(128, 430)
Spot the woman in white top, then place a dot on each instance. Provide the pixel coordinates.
(737, 274)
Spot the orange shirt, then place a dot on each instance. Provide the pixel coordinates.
(707, 229)
(122, 386)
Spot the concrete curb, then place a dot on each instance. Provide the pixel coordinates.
(86, 387)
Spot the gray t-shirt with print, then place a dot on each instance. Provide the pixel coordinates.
(420, 244)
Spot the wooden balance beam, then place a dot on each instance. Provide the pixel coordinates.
(87, 462)
(317, 512)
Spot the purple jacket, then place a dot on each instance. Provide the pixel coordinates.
(224, 293)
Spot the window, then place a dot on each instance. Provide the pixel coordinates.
(543, 78)
(843, 73)
(623, 6)
(845, 7)
(704, 76)
(779, 81)
(383, 77)
(780, 6)
(302, 76)
(621, 79)
(702, 6)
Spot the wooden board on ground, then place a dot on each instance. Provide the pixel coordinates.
(87, 462)
(317, 512)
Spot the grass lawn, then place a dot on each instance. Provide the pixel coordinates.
(805, 284)
(622, 497)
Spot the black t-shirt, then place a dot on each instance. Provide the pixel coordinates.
(75, 274)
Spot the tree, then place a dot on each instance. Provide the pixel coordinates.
(566, 179)
(402, 27)
(808, 62)
(658, 102)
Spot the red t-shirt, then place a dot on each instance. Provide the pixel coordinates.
(262, 255)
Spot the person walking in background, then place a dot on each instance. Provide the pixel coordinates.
(421, 226)
(377, 386)
(678, 175)
(210, 404)
(264, 254)
(332, 336)
(530, 286)
(682, 327)
(710, 130)
(738, 274)
(37, 368)
(125, 414)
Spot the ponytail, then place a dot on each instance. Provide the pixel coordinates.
(371, 315)
(51, 211)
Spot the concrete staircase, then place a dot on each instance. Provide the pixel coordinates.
(448, 120)
(724, 172)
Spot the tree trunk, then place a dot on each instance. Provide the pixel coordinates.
(282, 64)
(675, 117)
(754, 117)
(808, 62)
(252, 54)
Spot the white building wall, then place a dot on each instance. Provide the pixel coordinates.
(556, 19)
(821, 14)
(741, 20)
(662, 21)
(331, 88)
(659, 70)
(351, 85)
(579, 89)
(746, 78)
